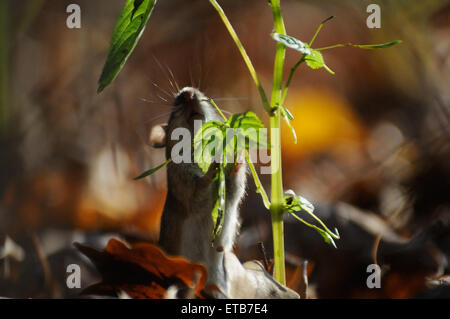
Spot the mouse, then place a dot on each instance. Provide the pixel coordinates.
(186, 223)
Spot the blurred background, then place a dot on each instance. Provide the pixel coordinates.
(373, 153)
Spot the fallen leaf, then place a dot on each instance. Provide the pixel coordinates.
(143, 271)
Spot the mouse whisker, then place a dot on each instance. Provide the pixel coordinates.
(157, 117)
(190, 75)
(173, 78)
(165, 100)
(200, 76)
(146, 100)
(155, 102)
(164, 114)
(156, 85)
(229, 98)
(227, 112)
(162, 90)
(166, 74)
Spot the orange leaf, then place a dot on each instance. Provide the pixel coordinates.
(142, 271)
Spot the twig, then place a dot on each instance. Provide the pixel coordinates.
(262, 251)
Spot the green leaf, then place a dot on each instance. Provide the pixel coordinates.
(377, 46)
(127, 31)
(328, 239)
(291, 42)
(218, 211)
(288, 113)
(315, 61)
(287, 116)
(245, 120)
(325, 235)
(207, 140)
(294, 203)
(248, 127)
(153, 170)
(212, 143)
(298, 202)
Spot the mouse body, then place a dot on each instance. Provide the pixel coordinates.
(186, 222)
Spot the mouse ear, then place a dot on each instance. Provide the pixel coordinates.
(158, 136)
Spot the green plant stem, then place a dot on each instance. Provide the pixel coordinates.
(276, 207)
(218, 109)
(318, 30)
(246, 58)
(258, 183)
(291, 74)
(335, 46)
(361, 46)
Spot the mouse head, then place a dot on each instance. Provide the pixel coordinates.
(190, 105)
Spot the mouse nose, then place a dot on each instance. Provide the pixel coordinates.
(186, 96)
